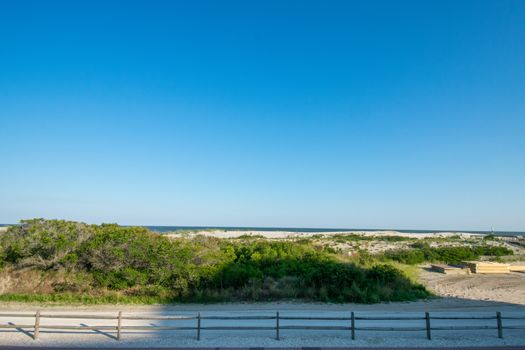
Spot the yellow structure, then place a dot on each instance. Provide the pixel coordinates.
(487, 267)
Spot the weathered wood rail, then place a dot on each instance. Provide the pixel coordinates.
(350, 323)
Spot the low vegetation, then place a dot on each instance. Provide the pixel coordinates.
(422, 252)
(76, 262)
(352, 237)
(62, 261)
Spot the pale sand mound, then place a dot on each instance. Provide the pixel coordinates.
(507, 288)
(288, 234)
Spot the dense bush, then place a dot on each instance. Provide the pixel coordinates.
(44, 243)
(135, 262)
(450, 255)
(345, 238)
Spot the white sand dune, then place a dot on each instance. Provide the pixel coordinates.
(289, 234)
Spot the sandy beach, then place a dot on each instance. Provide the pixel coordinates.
(336, 239)
(289, 234)
(505, 288)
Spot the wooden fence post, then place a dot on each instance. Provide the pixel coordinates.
(427, 322)
(500, 325)
(199, 326)
(277, 326)
(119, 325)
(120, 319)
(353, 326)
(36, 332)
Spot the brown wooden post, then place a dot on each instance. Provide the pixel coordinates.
(36, 332)
(277, 326)
(353, 326)
(119, 325)
(500, 325)
(427, 322)
(199, 326)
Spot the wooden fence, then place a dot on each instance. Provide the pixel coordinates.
(351, 323)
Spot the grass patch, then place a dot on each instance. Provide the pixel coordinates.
(352, 237)
(71, 299)
(248, 236)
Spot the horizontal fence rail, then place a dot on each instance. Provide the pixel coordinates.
(350, 323)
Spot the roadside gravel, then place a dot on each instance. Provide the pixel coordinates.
(266, 338)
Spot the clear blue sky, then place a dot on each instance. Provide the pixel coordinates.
(376, 114)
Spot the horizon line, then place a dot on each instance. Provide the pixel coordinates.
(295, 228)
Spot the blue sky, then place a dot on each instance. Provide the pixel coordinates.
(372, 114)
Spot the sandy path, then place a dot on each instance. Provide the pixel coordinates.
(438, 304)
(266, 338)
(506, 288)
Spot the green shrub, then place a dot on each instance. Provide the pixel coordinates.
(43, 243)
(449, 255)
(135, 264)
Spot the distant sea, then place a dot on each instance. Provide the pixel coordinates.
(164, 229)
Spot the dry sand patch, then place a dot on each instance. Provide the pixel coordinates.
(507, 288)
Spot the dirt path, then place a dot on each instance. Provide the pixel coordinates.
(438, 304)
(260, 332)
(504, 288)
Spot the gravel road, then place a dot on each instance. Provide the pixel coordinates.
(266, 338)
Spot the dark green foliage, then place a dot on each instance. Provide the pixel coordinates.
(44, 243)
(250, 237)
(134, 262)
(352, 237)
(407, 256)
(449, 255)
